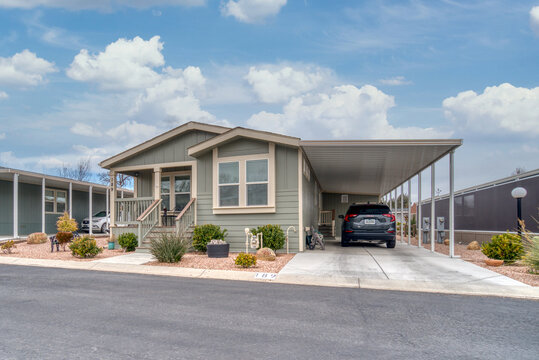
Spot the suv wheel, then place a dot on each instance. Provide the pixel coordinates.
(344, 243)
(391, 244)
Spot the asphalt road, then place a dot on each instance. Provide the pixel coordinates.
(50, 313)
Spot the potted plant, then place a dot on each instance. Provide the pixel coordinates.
(112, 242)
(65, 226)
(217, 249)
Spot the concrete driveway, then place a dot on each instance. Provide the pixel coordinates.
(405, 263)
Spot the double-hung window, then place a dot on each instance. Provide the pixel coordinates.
(244, 183)
(55, 201)
(175, 191)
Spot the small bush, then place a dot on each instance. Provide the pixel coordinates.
(245, 260)
(66, 224)
(128, 241)
(507, 247)
(8, 246)
(203, 234)
(63, 238)
(85, 247)
(169, 248)
(37, 238)
(274, 237)
(531, 246)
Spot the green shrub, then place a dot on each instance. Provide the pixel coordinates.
(169, 248)
(274, 237)
(507, 247)
(245, 260)
(203, 234)
(85, 247)
(66, 224)
(8, 246)
(37, 238)
(128, 241)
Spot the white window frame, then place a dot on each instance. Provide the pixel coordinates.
(173, 192)
(243, 208)
(247, 183)
(55, 207)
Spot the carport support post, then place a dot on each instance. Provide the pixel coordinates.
(402, 212)
(15, 205)
(90, 224)
(71, 200)
(452, 203)
(418, 215)
(432, 206)
(395, 199)
(42, 205)
(409, 212)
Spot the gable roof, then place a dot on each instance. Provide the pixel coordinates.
(238, 132)
(190, 126)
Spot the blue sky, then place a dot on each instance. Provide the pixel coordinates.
(91, 78)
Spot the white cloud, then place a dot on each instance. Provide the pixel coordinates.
(24, 69)
(125, 64)
(534, 20)
(3, 95)
(395, 81)
(252, 11)
(274, 84)
(345, 112)
(499, 109)
(106, 5)
(131, 132)
(85, 130)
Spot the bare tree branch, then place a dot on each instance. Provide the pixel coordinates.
(81, 171)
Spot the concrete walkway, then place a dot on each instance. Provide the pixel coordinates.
(130, 259)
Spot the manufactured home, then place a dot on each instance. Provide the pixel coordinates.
(241, 178)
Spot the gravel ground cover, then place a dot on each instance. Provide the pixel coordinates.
(517, 271)
(202, 261)
(43, 251)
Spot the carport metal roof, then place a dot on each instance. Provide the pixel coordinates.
(372, 167)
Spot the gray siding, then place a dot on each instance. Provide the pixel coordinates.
(173, 150)
(333, 202)
(311, 206)
(243, 147)
(30, 208)
(145, 184)
(286, 201)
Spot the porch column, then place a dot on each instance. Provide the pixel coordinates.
(107, 205)
(432, 206)
(452, 203)
(418, 215)
(402, 212)
(42, 205)
(90, 224)
(157, 188)
(121, 194)
(112, 200)
(71, 200)
(395, 201)
(135, 187)
(15, 205)
(409, 212)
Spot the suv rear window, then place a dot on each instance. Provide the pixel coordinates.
(368, 209)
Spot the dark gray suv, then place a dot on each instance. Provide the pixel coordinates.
(368, 222)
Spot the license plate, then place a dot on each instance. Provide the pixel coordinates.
(370, 221)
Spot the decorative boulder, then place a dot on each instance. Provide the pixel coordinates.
(474, 245)
(37, 238)
(446, 242)
(266, 254)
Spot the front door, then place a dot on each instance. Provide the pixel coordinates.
(175, 191)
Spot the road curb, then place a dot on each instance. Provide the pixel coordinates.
(519, 292)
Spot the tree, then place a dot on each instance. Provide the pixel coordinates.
(122, 180)
(80, 172)
(405, 200)
(518, 171)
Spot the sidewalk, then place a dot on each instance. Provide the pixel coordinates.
(130, 263)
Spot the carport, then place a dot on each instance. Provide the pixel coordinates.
(380, 169)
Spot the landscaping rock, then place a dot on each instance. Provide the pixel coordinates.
(474, 245)
(446, 242)
(266, 254)
(37, 238)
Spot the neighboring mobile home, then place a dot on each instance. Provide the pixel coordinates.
(242, 178)
(32, 202)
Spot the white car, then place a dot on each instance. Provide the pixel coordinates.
(100, 222)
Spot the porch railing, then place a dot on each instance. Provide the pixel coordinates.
(186, 217)
(327, 217)
(148, 220)
(128, 210)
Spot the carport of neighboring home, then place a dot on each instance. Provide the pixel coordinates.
(242, 178)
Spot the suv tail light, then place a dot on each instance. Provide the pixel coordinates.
(349, 216)
(390, 216)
